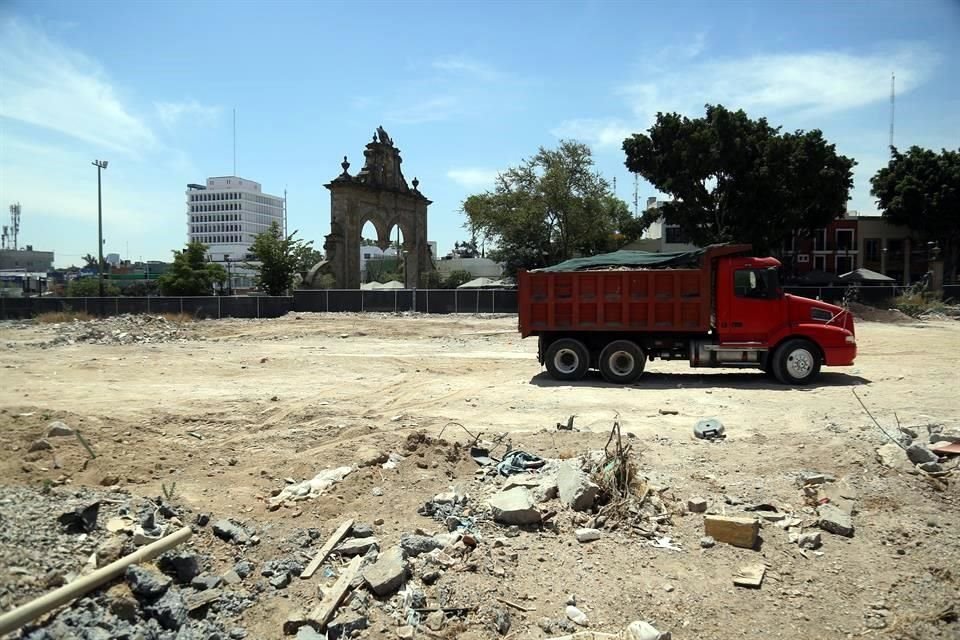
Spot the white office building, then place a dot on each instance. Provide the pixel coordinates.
(227, 213)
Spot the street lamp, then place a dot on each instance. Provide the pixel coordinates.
(100, 165)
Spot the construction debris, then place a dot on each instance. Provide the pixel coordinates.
(737, 531)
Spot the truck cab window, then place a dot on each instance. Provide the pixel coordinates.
(749, 283)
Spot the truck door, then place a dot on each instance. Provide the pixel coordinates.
(753, 305)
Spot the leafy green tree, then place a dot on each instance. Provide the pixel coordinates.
(280, 259)
(431, 280)
(734, 179)
(90, 288)
(191, 274)
(457, 278)
(921, 190)
(140, 289)
(552, 207)
(307, 258)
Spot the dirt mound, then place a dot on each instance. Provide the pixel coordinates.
(873, 314)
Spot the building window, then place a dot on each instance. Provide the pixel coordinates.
(803, 258)
(844, 264)
(820, 240)
(845, 240)
(871, 249)
(820, 263)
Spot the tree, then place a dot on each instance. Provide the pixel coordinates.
(734, 179)
(307, 258)
(457, 278)
(280, 259)
(552, 207)
(90, 288)
(921, 190)
(191, 274)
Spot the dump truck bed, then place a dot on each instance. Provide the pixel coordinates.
(661, 300)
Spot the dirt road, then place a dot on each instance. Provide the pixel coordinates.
(251, 402)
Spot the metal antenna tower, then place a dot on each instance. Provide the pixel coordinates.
(14, 223)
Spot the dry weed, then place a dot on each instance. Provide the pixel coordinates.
(52, 317)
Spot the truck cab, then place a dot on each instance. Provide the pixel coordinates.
(717, 307)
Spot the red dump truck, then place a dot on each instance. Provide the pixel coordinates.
(716, 307)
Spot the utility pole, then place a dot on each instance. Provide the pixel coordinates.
(893, 95)
(100, 165)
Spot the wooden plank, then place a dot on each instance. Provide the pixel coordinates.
(197, 600)
(320, 616)
(325, 550)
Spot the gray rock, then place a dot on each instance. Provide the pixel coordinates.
(202, 583)
(418, 599)
(640, 630)
(515, 506)
(145, 583)
(361, 530)
(39, 445)
(280, 580)
(930, 467)
(413, 545)
(707, 541)
(576, 489)
(388, 573)
(835, 520)
(57, 429)
(238, 633)
(697, 505)
(169, 610)
(243, 568)
(185, 566)
(430, 576)
(919, 453)
(346, 622)
(309, 633)
(231, 532)
(809, 540)
(587, 535)
(501, 621)
(435, 620)
(356, 546)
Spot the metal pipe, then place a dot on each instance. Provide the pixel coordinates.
(13, 620)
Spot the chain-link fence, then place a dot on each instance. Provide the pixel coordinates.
(400, 300)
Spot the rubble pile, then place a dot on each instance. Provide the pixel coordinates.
(122, 329)
(50, 537)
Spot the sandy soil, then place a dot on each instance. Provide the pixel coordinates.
(266, 400)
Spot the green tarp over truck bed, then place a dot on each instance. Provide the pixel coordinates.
(628, 259)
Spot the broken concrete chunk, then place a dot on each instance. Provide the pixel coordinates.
(696, 505)
(356, 546)
(587, 535)
(56, 429)
(835, 520)
(515, 506)
(809, 540)
(930, 467)
(740, 532)
(919, 453)
(576, 616)
(388, 573)
(576, 489)
(413, 545)
(230, 531)
(145, 583)
(39, 445)
(640, 630)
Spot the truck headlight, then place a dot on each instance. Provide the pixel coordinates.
(851, 339)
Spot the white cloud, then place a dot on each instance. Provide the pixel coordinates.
(473, 178)
(774, 85)
(598, 133)
(459, 65)
(170, 113)
(50, 86)
(430, 110)
(806, 83)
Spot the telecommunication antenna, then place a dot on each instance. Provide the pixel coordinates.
(3, 245)
(284, 212)
(14, 223)
(636, 195)
(893, 97)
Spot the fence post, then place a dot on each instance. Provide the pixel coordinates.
(428, 301)
(85, 309)
(394, 300)
(181, 305)
(148, 305)
(258, 307)
(493, 300)
(116, 308)
(456, 301)
(326, 306)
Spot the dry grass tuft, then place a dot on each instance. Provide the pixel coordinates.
(52, 317)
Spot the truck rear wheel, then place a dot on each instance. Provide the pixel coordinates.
(622, 362)
(797, 362)
(567, 359)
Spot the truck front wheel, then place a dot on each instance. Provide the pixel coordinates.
(797, 362)
(567, 359)
(622, 362)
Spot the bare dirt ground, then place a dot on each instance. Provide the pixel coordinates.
(231, 414)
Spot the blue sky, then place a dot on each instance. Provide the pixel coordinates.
(464, 89)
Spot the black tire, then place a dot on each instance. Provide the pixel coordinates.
(622, 362)
(797, 362)
(567, 359)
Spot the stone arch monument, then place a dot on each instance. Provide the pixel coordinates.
(378, 194)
